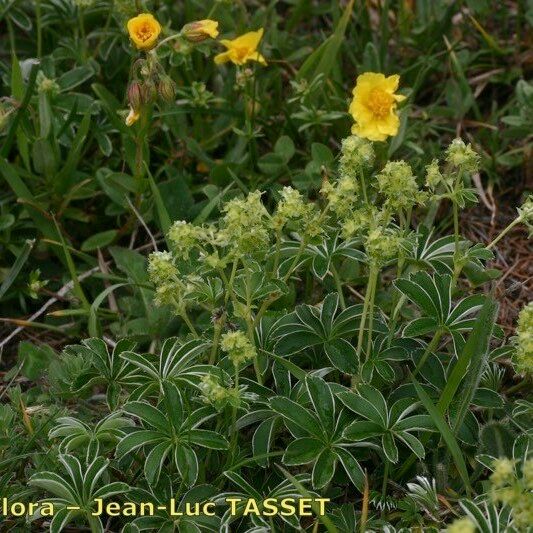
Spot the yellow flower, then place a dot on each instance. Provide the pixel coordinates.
(200, 30)
(374, 106)
(242, 49)
(132, 117)
(144, 31)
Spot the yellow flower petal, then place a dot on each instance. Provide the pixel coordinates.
(144, 30)
(132, 117)
(223, 57)
(391, 83)
(373, 106)
(242, 49)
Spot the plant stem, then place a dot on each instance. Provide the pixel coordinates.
(250, 322)
(338, 284)
(364, 509)
(217, 330)
(187, 321)
(294, 263)
(371, 317)
(385, 480)
(504, 232)
(429, 349)
(277, 253)
(372, 276)
(234, 417)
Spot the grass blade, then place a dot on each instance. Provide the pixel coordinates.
(446, 433)
(17, 266)
(476, 350)
(472, 355)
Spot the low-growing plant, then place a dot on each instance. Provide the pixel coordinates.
(284, 381)
(300, 343)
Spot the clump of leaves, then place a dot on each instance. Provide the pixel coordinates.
(339, 393)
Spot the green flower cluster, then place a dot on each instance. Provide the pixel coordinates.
(398, 185)
(293, 210)
(238, 347)
(215, 394)
(356, 154)
(185, 237)
(514, 490)
(245, 225)
(523, 358)
(525, 213)
(462, 156)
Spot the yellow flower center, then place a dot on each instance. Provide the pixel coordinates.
(144, 31)
(379, 102)
(241, 52)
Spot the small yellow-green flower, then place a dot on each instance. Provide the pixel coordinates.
(462, 156)
(144, 30)
(199, 30)
(238, 347)
(133, 117)
(374, 106)
(524, 341)
(503, 472)
(242, 49)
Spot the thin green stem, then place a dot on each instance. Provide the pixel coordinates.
(277, 253)
(217, 330)
(234, 434)
(250, 322)
(184, 315)
(371, 317)
(338, 285)
(303, 244)
(430, 348)
(372, 276)
(495, 241)
(229, 286)
(385, 480)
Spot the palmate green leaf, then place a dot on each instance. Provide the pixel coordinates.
(148, 414)
(302, 451)
(362, 407)
(309, 326)
(389, 447)
(154, 461)
(351, 467)
(431, 294)
(61, 518)
(77, 488)
(486, 517)
(208, 439)
(362, 430)
(322, 400)
(186, 462)
(263, 438)
(139, 438)
(324, 468)
(297, 414)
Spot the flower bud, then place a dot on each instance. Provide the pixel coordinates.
(166, 89)
(148, 92)
(200, 30)
(135, 96)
